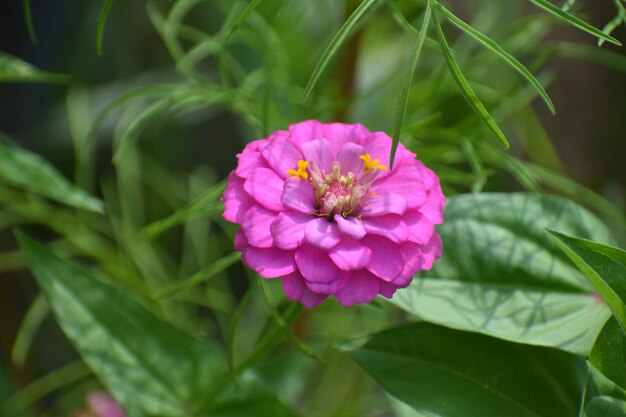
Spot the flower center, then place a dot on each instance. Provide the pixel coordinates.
(337, 193)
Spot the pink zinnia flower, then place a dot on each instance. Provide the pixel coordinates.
(319, 207)
(102, 404)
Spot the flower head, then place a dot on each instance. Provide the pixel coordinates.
(320, 207)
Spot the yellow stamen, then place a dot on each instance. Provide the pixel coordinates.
(369, 164)
(301, 172)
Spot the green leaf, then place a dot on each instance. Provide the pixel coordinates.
(454, 373)
(338, 40)
(573, 20)
(499, 51)
(13, 69)
(149, 366)
(500, 274)
(256, 407)
(605, 393)
(28, 20)
(249, 9)
(27, 170)
(464, 86)
(604, 266)
(102, 17)
(35, 315)
(403, 101)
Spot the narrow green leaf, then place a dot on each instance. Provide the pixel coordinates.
(102, 17)
(249, 9)
(149, 366)
(35, 315)
(451, 373)
(464, 86)
(573, 20)
(207, 204)
(15, 70)
(499, 51)
(403, 101)
(604, 266)
(28, 20)
(338, 40)
(201, 276)
(27, 170)
(500, 274)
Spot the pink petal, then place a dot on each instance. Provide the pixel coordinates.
(306, 131)
(319, 150)
(288, 229)
(432, 209)
(282, 154)
(362, 287)
(348, 158)
(378, 205)
(256, 226)
(420, 228)
(431, 252)
(265, 187)
(250, 158)
(350, 226)
(390, 226)
(413, 260)
(269, 262)
(104, 405)
(340, 133)
(319, 271)
(236, 201)
(387, 261)
(298, 195)
(350, 254)
(387, 289)
(241, 241)
(405, 180)
(296, 290)
(378, 145)
(322, 233)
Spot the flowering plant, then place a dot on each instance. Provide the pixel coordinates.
(159, 259)
(319, 207)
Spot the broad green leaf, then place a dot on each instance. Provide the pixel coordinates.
(259, 407)
(469, 94)
(604, 266)
(500, 274)
(27, 170)
(573, 20)
(499, 51)
(13, 69)
(453, 373)
(151, 367)
(403, 101)
(605, 394)
(338, 40)
(102, 17)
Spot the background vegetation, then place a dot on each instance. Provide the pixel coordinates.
(120, 121)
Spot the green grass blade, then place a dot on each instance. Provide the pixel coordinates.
(37, 312)
(497, 49)
(338, 40)
(28, 20)
(464, 86)
(13, 69)
(199, 277)
(102, 17)
(246, 12)
(403, 102)
(573, 20)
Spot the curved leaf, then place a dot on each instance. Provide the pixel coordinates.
(453, 373)
(500, 274)
(150, 366)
